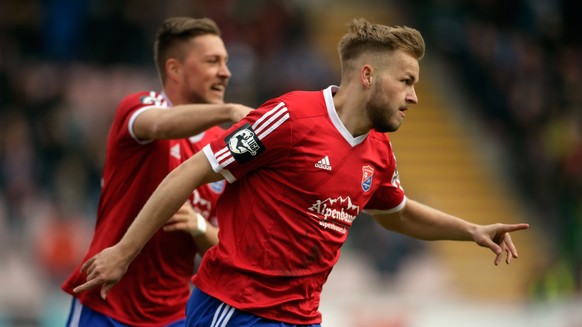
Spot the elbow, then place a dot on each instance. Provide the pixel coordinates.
(162, 129)
(392, 221)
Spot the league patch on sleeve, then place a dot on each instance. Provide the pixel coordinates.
(244, 144)
(153, 99)
(146, 99)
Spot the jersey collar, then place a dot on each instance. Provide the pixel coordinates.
(328, 95)
(167, 99)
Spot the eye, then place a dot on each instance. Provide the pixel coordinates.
(217, 61)
(409, 81)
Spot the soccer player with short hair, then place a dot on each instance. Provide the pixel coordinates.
(301, 167)
(191, 60)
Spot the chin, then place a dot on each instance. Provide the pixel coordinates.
(215, 100)
(388, 128)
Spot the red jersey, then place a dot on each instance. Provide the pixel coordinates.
(301, 180)
(156, 287)
(204, 197)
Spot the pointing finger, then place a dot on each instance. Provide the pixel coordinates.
(87, 286)
(512, 228)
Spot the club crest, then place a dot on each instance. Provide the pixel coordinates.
(367, 174)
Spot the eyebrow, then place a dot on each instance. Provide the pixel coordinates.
(214, 55)
(412, 77)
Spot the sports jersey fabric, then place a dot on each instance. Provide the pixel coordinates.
(156, 287)
(204, 197)
(299, 179)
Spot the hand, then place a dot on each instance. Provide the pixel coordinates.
(497, 238)
(106, 268)
(238, 112)
(185, 219)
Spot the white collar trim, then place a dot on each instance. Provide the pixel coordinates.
(328, 96)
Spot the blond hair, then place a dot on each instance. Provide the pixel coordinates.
(365, 37)
(173, 34)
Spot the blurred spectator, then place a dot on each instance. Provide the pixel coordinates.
(521, 62)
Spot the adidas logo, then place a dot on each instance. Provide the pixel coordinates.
(175, 151)
(323, 163)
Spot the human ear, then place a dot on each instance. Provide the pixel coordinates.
(366, 75)
(172, 68)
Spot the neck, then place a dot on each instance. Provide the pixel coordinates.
(351, 111)
(174, 96)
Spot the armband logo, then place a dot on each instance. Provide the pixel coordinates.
(244, 144)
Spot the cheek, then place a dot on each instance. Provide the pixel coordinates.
(196, 81)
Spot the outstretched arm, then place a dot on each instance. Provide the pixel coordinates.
(423, 222)
(185, 120)
(107, 267)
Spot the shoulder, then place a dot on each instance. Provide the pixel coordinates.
(381, 141)
(303, 104)
(142, 99)
(299, 97)
(130, 107)
(379, 137)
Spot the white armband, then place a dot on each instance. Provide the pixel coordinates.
(201, 226)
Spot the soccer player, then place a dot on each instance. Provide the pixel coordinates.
(191, 60)
(301, 168)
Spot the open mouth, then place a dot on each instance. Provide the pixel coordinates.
(218, 87)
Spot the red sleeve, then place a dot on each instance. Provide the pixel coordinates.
(261, 139)
(389, 197)
(129, 108)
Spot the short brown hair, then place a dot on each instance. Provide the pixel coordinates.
(364, 36)
(176, 31)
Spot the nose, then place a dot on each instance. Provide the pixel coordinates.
(411, 96)
(224, 71)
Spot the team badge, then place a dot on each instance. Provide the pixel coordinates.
(217, 187)
(367, 174)
(244, 144)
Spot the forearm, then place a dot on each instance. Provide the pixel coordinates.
(423, 222)
(165, 201)
(187, 120)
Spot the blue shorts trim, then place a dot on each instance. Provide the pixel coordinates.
(82, 316)
(204, 310)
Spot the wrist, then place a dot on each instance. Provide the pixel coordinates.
(127, 249)
(231, 112)
(201, 226)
